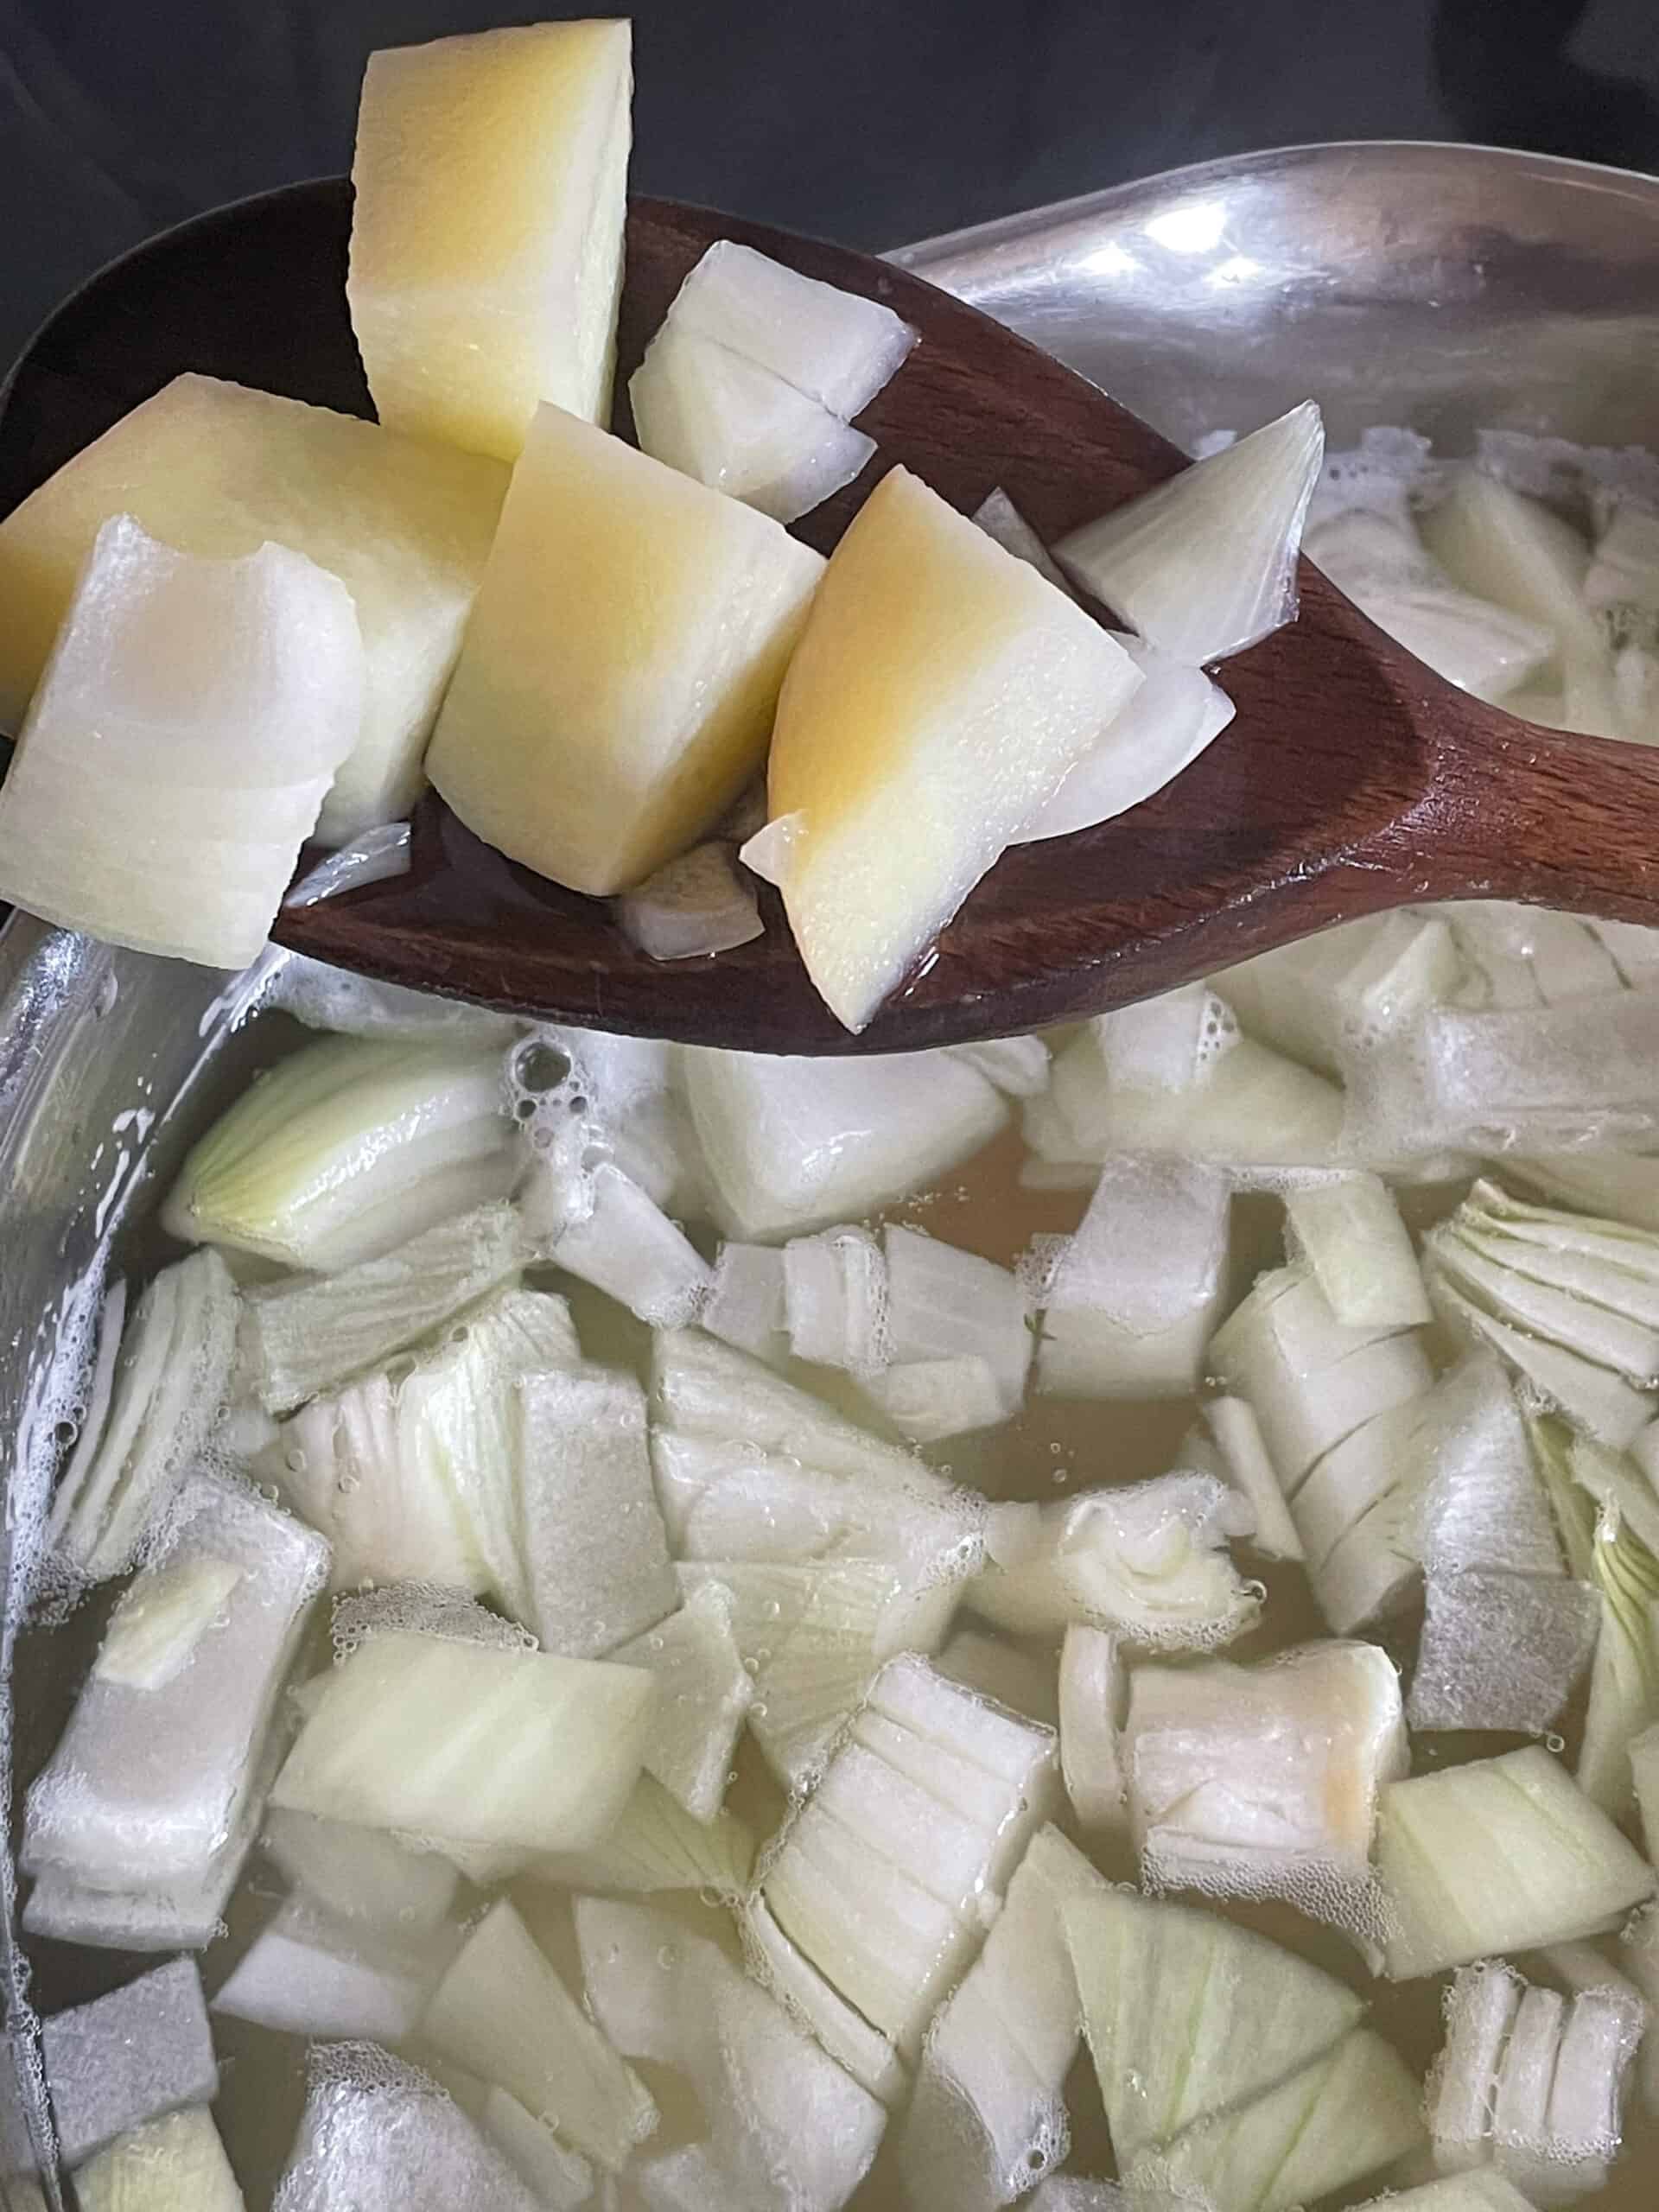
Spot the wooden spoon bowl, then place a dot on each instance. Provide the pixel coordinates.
(1352, 778)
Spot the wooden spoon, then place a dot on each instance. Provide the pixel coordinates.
(1352, 779)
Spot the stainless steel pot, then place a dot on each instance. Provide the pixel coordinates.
(1447, 287)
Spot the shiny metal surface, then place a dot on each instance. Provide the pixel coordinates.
(1451, 286)
(1445, 287)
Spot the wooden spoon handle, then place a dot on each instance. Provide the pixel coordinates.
(1515, 810)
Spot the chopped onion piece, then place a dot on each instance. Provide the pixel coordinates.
(1584, 2122)
(148, 1786)
(1622, 1184)
(766, 851)
(94, 1415)
(657, 1845)
(1507, 1634)
(745, 1305)
(1173, 1075)
(877, 1879)
(690, 907)
(928, 1400)
(1159, 731)
(596, 1564)
(1357, 983)
(1350, 1232)
(299, 1339)
(704, 1695)
(1205, 564)
(560, 2180)
(1482, 1501)
(115, 2063)
(784, 2124)
(1262, 1780)
(1130, 1308)
(1018, 1065)
(835, 1297)
(1645, 1765)
(795, 1144)
(1480, 2009)
(1639, 1955)
(867, 2053)
(1188, 2015)
(804, 1484)
(813, 1638)
(154, 1631)
(383, 2137)
(1585, 1290)
(427, 1737)
(738, 426)
(417, 1478)
(833, 345)
(1526, 956)
(628, 1248)
(176, 2164)
(1482, 648)
(1589, 1488)
(1626, 569)
(1503, 1854)
(185, 1915)
(728, 1501)
(388, 1512)
(1609, 1262)
(1383, 567)
(1236, 1436)
(1535, 1078)
(503, 2013)
(1502, 1651)
(173, 1375)
(1360, 546)
(1311, 1379)
(1596, 1398)
(1349, 2113)
(304, 1976)
(378, 855)
(1150, 1559)
(411, 1609)
(1366, 1469)
(345, 1151)
(1094, 1686)
(356, 1876)
(947, 1305)
(1368, 1577)
(179, 746)
(1531, 2083)
(1504, 547)
(1483, 1270)
(987, 2117)
(999, 517)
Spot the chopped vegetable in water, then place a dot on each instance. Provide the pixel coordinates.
(860, 1590)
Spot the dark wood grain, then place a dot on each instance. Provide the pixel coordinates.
(1351, 780)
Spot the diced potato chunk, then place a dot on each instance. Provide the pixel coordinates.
(622, 663)
(941, 692)
(490, 177)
